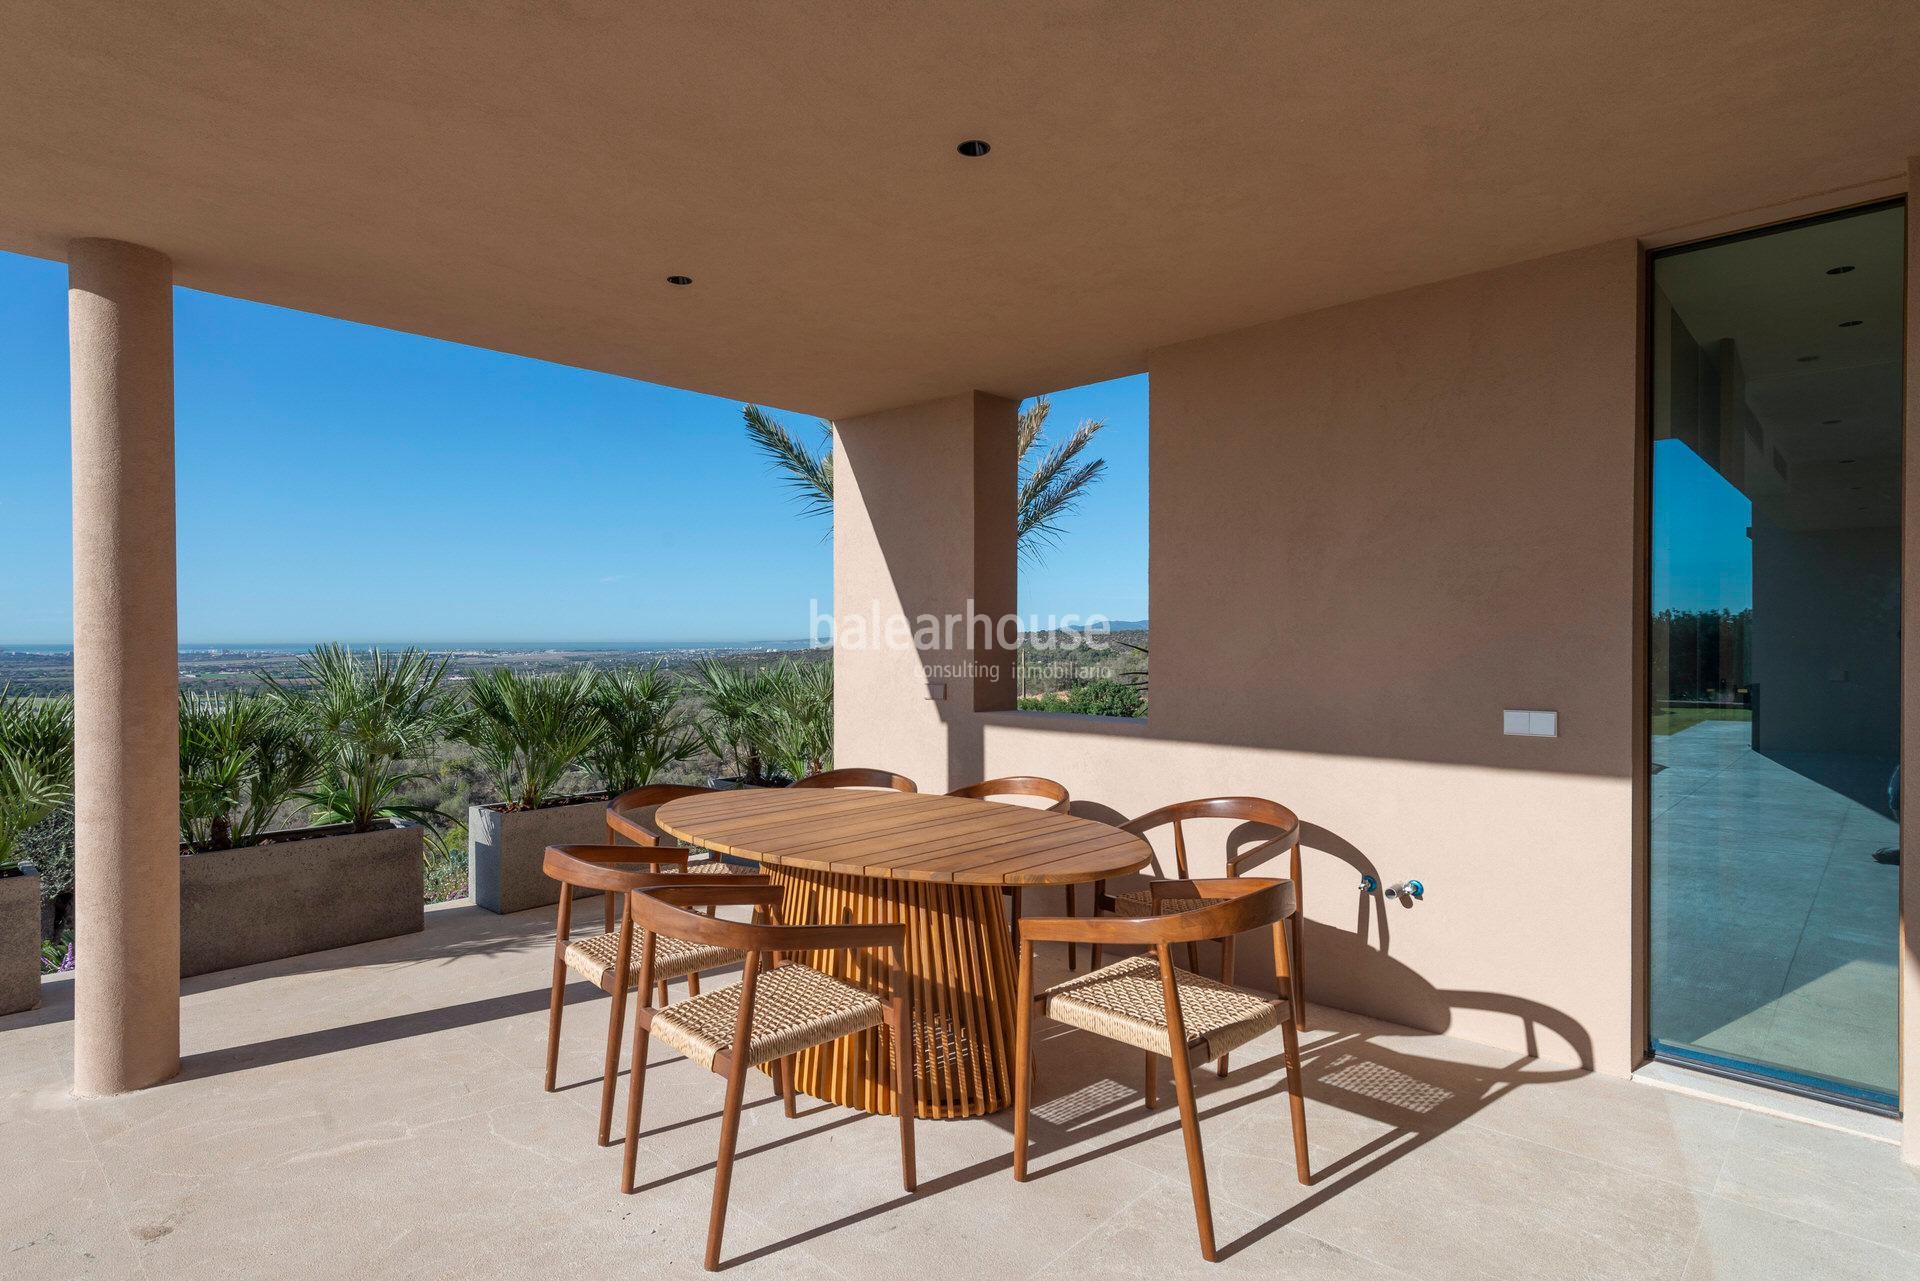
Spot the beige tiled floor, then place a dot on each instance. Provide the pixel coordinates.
(376, 1112)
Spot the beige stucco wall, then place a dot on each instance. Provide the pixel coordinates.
(1373, 528)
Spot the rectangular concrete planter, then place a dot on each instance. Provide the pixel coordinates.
(19, 941)
(303, 891)
(505, 849)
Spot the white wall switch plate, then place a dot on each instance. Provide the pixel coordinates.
(1530, 724)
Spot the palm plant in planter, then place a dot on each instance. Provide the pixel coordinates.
(243, 759)
(36, 766)
(339, 737)
(738, 721)
(643, 731)
(801, 718)
(529, 732)
(368, 715)
(36, 781)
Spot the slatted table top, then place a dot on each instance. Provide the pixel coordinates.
(904, 836)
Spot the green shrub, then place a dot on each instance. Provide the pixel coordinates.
(737, 716)
(643, 730)
(1098, 697)
(243, 758)
(800, 718)
(530, 730)
(367, 715)
(36, 764)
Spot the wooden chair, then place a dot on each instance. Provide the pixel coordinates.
(1145, 1001)
(855, 777)
(1057, 803)
(630, 815)
(778, 1009)
(1245, 809)
(601, 959)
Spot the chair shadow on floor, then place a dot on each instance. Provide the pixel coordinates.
(1420, 1099)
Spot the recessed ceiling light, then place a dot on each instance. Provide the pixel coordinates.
(1849, 324)
(1841, 270)
(1846, 460)
(1806, 360)
(679, 280)
(973, 147)
(1829, 422)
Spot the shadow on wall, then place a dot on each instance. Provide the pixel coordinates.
(1353, 969)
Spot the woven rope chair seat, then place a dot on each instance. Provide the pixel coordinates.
(794, 1007)
(1124, 1002)
(1140, 903)
(595, 957)
(720, 867)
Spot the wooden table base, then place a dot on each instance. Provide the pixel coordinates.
(960, 968)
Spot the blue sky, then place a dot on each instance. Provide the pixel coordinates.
(338, 482)
(1702, 556)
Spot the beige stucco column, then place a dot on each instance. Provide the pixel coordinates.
(923, 529)
(125, 669)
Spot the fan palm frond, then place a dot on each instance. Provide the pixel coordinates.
(808, 473)
(1054, 485)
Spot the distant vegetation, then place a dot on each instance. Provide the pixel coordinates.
(352, 737)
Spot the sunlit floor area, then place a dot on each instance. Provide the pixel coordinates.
(377, 1111)
(1774, 927)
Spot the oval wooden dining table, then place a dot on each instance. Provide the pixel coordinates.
(939, 865)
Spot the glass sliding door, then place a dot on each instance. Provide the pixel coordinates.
(1774, 654)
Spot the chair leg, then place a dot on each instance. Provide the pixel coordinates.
(1196, 1160)
(784, 1071)
(1013, 917)
(1226, 976)
(1073, 949)
(1152, 1079)
(723, 1163)
(903, 1091)
(610, 1070)
(1099, 888)
(1297, 986)
(661, 1004)
(554, 1007)
(636, 1092)
(1193, 958)
(1022, 1065)
(1296, 1102)
(693, 983)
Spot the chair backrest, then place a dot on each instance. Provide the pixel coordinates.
(623, 818)
(1233, 905)
(1246, 809)
(1018, 785)
(670, 909)
(856, 777)
(610, 869)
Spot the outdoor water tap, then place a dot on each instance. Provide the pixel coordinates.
(1369, 884)
(1407, 889)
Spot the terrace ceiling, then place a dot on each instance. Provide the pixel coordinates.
(524, 177)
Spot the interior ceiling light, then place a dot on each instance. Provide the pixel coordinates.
(1849, 324)
(1841, 270)
(974, 147)
(1806, 360)
(679, 280)
(1829, 422)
